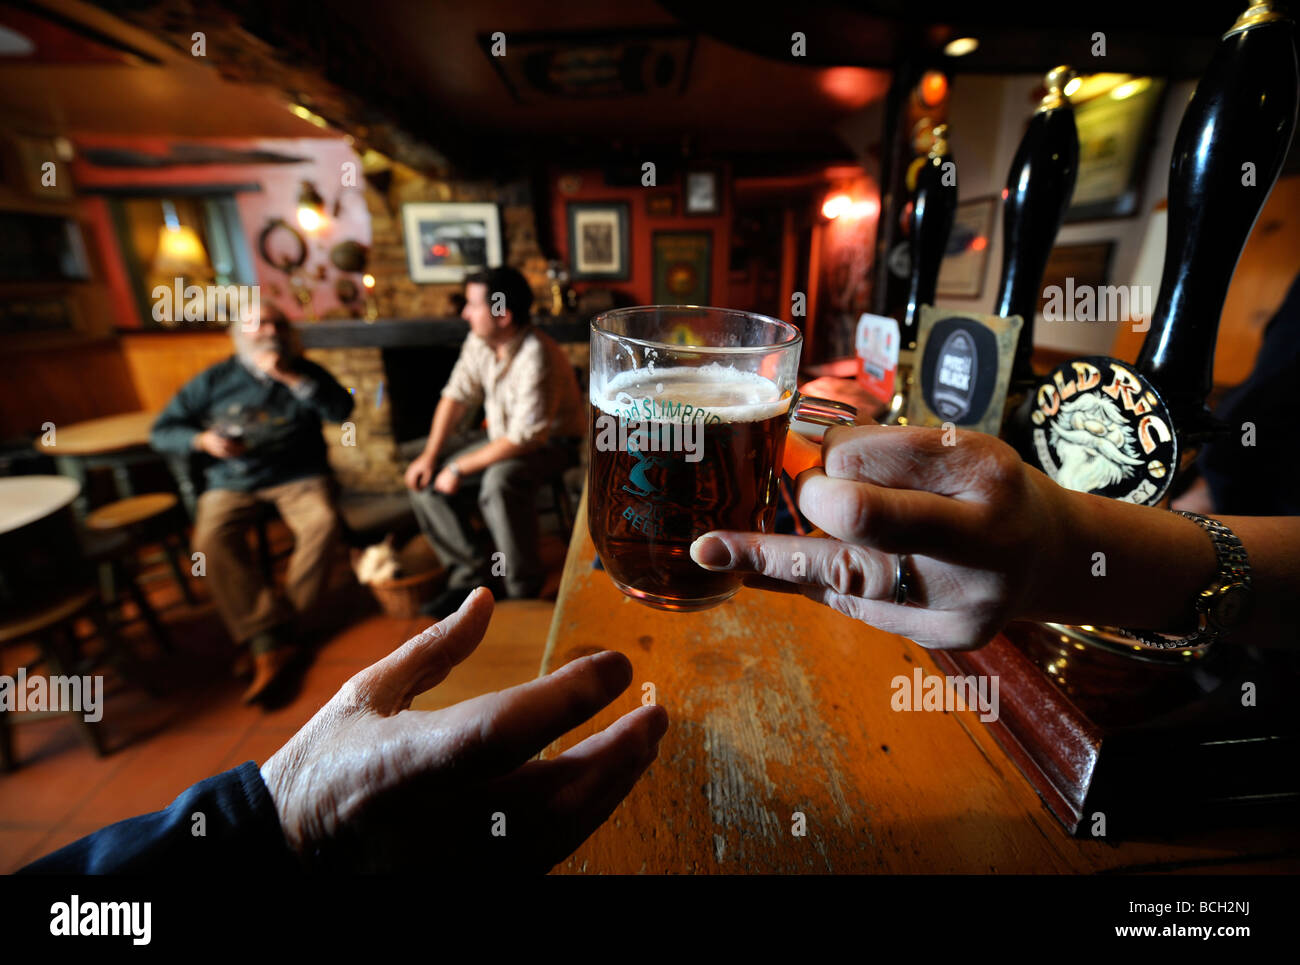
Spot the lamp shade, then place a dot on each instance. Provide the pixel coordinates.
(180, 253)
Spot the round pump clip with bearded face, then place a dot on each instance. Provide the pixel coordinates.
(1098, 426)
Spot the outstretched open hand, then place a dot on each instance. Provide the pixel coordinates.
(369, 784)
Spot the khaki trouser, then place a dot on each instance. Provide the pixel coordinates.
(247, 604)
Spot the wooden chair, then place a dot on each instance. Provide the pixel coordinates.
(53, 627)
(113, 553)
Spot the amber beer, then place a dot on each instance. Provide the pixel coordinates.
(676, 453)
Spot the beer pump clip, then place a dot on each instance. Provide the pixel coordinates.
(934, 205)
(967, 363)
(1103, 426)
(974, 367)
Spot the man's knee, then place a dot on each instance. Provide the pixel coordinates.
(216, 524)
(510, 478)
(315, 518)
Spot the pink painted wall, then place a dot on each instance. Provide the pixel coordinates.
(278, 197)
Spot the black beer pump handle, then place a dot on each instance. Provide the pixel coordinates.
(1039, 187)
(933, 208)
(1230, 147)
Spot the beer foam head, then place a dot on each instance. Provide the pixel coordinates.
(734, 395)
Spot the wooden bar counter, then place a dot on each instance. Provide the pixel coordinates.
(780, 706)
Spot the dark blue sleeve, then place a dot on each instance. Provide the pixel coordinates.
(322, 392)
(182, 418)
(241, 834)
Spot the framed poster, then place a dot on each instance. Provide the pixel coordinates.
(445, 241)
(965, 262)
(1115, 133)
(683, 262)
(599, 240)
(1072, 268)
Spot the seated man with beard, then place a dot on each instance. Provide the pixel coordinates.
(258, 415)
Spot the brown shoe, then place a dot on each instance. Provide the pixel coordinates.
(268, 667)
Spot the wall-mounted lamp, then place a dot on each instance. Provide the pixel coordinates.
(836, 205)
(933, 88)
(180, 251)
(311, 208)
(841, 205)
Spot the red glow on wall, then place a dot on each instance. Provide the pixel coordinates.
(854, 87)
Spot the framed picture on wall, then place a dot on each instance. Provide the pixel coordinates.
(703, 191)
(599, 240)
(445, 241)
(1082, 267)
(661, 205)
(683, 264)
(1115, 138)
(965, 262)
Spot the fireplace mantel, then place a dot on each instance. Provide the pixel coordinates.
(447, 332)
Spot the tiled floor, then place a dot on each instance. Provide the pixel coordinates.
(159, 746)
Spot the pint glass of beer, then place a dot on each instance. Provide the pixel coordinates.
(689, 413)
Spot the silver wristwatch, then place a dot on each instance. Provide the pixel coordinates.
(1221, 607)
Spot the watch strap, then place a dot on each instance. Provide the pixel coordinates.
(1233, 568)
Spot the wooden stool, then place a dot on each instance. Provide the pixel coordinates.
(53, 626)
(153, 517)
(112, 552)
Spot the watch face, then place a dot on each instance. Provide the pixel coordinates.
(1230, 609)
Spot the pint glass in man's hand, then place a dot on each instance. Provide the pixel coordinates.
(690, 408)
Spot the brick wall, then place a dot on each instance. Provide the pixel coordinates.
(396, 295)
(371, 464)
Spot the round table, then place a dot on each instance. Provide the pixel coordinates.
(29, 499)
(39, 547)
(116, 441)
(98, 437)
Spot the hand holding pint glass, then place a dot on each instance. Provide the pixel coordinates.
(690, 410)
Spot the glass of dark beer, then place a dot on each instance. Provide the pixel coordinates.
(690, 408)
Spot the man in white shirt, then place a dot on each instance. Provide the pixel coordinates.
(535, 420)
